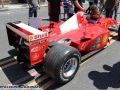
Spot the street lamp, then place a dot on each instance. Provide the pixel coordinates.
(2, 3)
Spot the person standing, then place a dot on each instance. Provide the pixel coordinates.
(54, 9)
(115, 9)
(101, 4)
(96, 2)
(78, 6)
(71, 9)
(33, 7)
(66, 9)
(109, 7)
(90, 3)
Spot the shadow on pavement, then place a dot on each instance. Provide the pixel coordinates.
(15, 72)
(110, 78)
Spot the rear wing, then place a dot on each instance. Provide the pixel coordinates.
(29, 41)
(27, 32)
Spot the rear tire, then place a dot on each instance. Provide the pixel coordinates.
(62, 62)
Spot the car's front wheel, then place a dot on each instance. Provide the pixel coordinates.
(62, 62)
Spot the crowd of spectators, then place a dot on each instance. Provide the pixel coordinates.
(71, 7)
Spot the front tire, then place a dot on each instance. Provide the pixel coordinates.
(62, 62)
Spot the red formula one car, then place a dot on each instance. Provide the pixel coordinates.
(59, 46)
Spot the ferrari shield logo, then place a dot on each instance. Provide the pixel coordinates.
(105, 38)
(105, 25)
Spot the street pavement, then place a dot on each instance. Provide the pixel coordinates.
(100, 70)
(22, 6)
(18, 6)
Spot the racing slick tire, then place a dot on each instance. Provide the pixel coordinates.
(62, 62)
(119, 32)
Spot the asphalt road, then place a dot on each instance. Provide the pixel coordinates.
(99, 71)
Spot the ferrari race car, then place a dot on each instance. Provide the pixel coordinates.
(59, 45)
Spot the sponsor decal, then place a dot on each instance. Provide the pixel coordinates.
(98, 45)
(38, 42)
(35, 49)
(35, 56)
(35, 37)
(105, 38)
(31, 38)
(98, 40)
(53, 34)
(93, 47)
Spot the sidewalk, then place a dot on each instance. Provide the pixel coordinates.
(17, 6)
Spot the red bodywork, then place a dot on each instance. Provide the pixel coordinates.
(87, 37)
(75, 32)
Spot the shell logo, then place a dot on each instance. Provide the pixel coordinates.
(35, 49)
(30, 38)
(105, 38)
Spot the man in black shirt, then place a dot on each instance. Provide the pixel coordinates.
(54, 9)
(78, 6)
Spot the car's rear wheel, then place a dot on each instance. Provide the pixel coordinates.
(62, 62)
